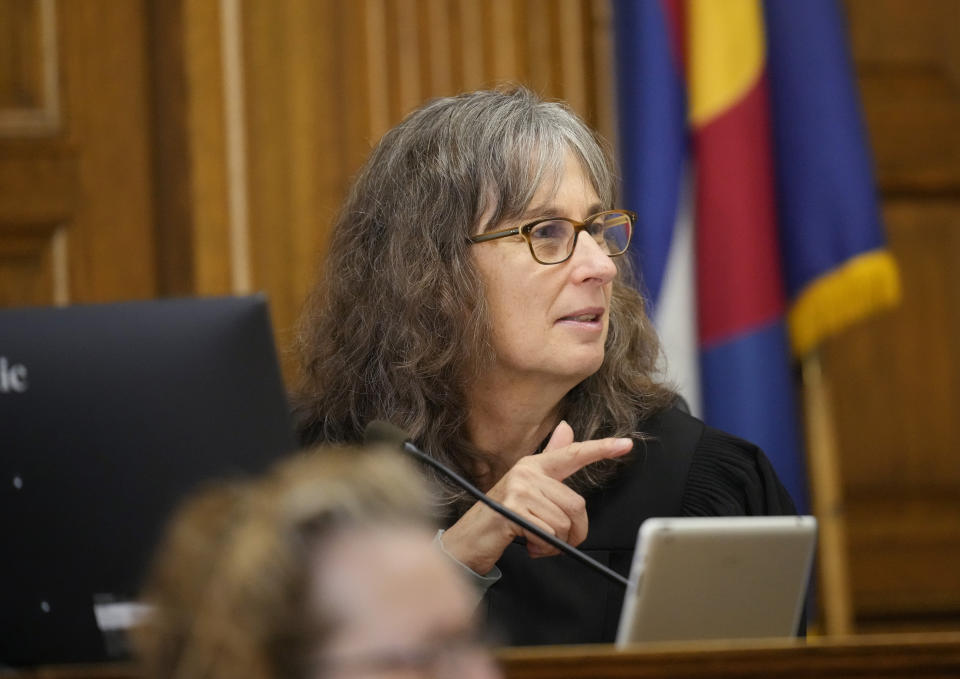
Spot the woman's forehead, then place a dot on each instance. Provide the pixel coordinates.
(557, 184)
(545, 175)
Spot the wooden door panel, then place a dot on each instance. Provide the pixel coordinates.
(908, 63)
(896, 378)
(75, 164)
(37, 175)
(29, 88)
(33, 266)
(897, 388)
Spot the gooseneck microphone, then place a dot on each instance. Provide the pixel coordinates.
(379, 431)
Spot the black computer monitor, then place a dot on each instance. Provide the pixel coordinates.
(109, 415)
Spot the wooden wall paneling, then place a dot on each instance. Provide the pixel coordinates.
(439, 37)
(390, 43)
(207, 143)
(272, 43)
(20, 58)
(408, 56)
(29, 71)
(37, 176)
(912, 366)
(573, 54)
(200, 236)
(908, 64)
(897, 382)
(896, 377)
(520, 33)
(74, 154)
(33, 266)
(353, 133)
(602, 83)
(322, 99)
(471, 37)
(435, 60)
(235, 141)
(377, 73)
(503, 54)
(542, 42)
(38, 184)
(452, 15)
(173, 189)
(317, 106)
(306, 148)
(426, 49)
(311, 113)
(904, 558)
(103, 62)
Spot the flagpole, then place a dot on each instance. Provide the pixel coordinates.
(827, 498)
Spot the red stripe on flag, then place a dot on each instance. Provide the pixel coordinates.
(738, 265)
(675, 13)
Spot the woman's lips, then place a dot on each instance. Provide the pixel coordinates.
(586, 318)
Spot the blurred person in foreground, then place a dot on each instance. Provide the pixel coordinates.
(474, 294)
(324, 568)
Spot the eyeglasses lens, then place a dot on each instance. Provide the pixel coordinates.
(553, 240)
(614, 232)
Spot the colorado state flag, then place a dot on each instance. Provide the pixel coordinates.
(743, 150)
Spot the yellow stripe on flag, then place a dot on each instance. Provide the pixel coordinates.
(864, 285)
(725, 54)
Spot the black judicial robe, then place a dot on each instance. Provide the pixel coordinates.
(684, 468)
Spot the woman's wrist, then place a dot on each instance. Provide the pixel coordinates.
(475, 540)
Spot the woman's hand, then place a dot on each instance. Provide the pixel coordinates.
(534, 489)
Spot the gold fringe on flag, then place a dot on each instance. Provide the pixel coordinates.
(864, 285)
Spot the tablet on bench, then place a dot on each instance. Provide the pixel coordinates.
(718, 578)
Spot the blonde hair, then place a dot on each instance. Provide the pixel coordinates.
(229, 581)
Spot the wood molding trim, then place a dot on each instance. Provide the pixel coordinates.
(43, 117)
(235, 129)
(34, 264)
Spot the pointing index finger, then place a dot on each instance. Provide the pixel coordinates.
(562, 462)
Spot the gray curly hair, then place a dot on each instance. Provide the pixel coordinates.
(397, 327)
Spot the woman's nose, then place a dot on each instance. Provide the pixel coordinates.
(590, 260)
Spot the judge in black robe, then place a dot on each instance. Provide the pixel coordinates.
(476, 295)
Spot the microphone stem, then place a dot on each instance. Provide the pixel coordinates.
(512, 516)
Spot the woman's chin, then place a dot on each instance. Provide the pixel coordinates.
(581, 367)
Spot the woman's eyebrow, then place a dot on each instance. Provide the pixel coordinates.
(537, 211)
(550, 210)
